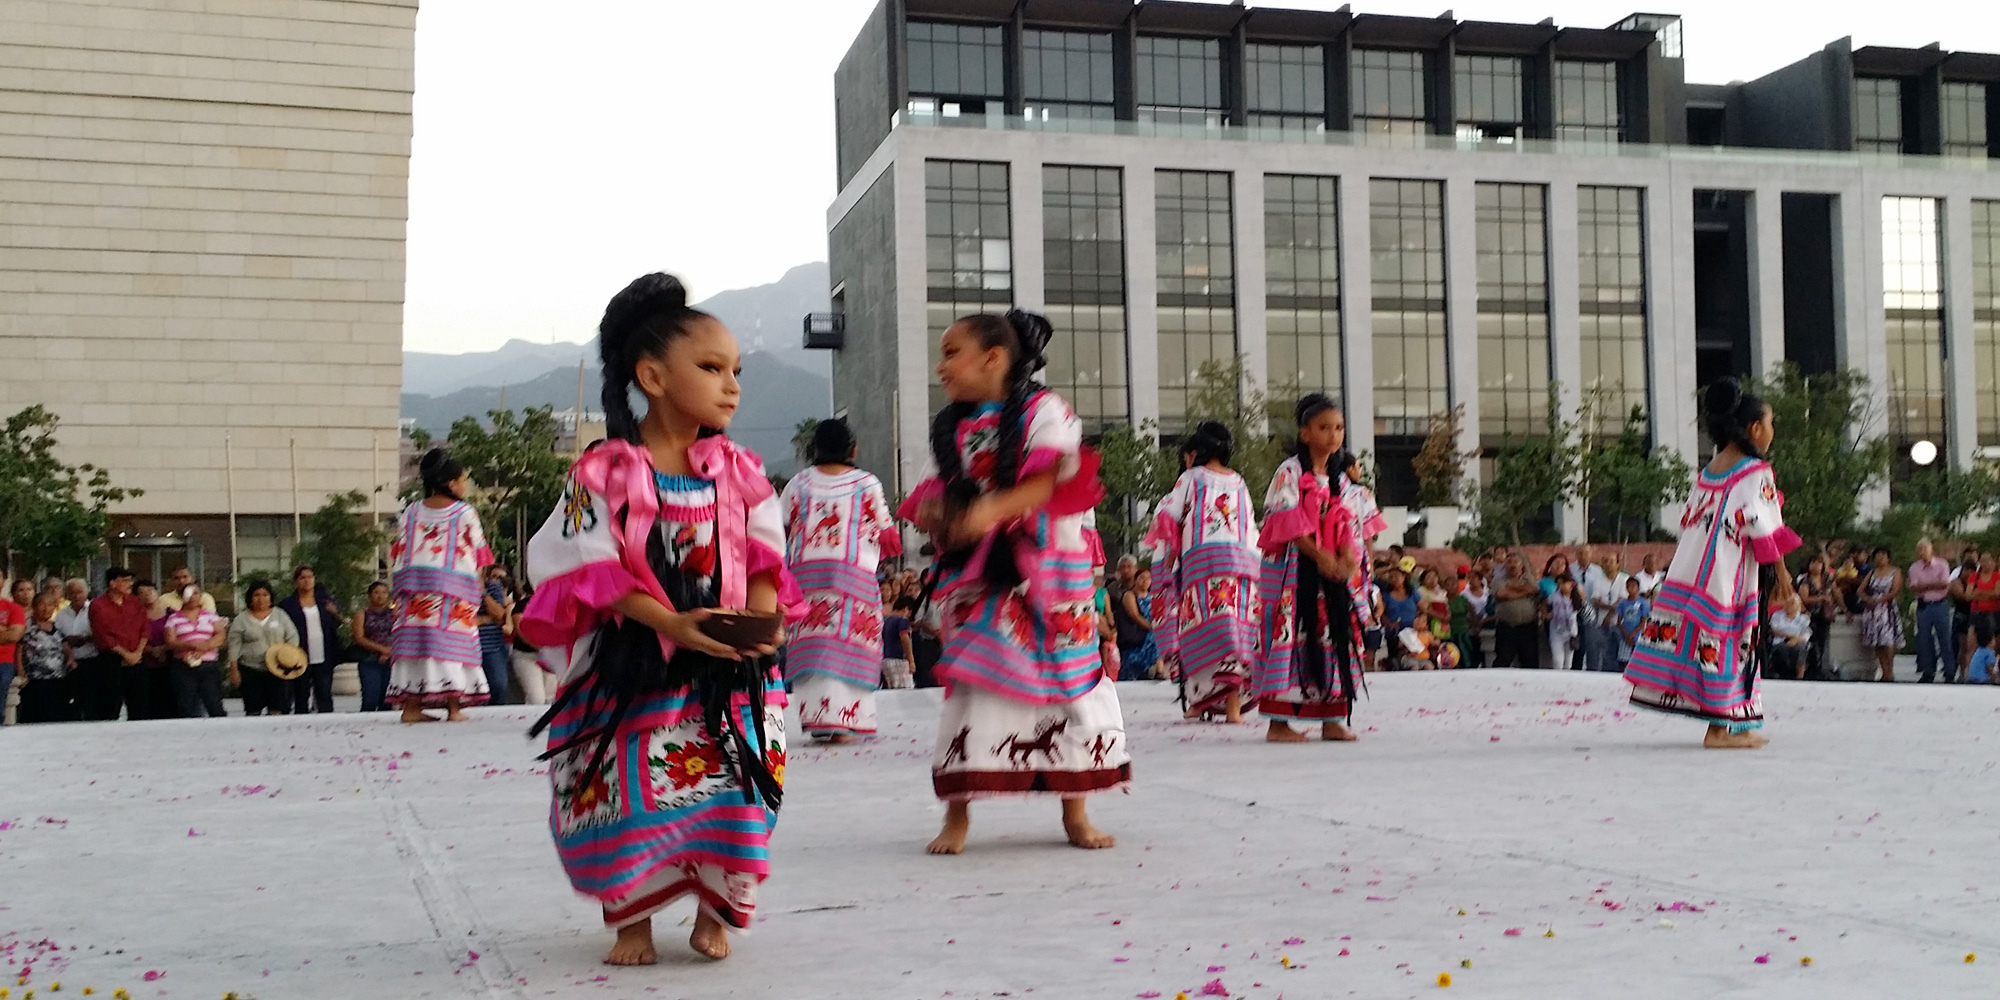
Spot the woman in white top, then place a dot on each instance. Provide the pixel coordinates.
(838, 529)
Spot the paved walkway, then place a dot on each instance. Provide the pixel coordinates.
(348, 856)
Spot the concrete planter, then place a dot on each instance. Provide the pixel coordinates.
(1397, 527)
(347, 678)
(1440, 526)
(1846, 658)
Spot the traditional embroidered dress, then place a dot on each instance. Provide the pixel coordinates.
(438, 554)
(1204, 543)
(1695, 654)
(1368, 524)
(1027, 707)
(1309, 625)
(685, 798)
(838, 528)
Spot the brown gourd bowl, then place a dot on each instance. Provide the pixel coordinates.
(741, 629)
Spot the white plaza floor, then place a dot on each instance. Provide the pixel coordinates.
(348, 856)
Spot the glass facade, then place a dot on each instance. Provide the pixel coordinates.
(956, 69)
(1587, 105)
(1489, 96)
(1180, 80)
(1986, 317)
(1083, 246)
(1302, 283)
(1611, 280)
(1512, 248)
(1197, 279)
(1913, 297)
(1406, 250)
(1389, 92)
(1066, 74)
(1287, 86)
(1965, 119)
(1878, 115)
(968, 247)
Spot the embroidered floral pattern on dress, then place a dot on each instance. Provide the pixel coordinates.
(585, 800)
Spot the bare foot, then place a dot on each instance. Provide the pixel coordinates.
(634, 945)
(412, 714)
(710, 937)
(1337, 733)
(456, 716)
(840, 739)
(957, 823)
(1076, 823)
(1723, 739)
(1232, 710)
(1282, 732)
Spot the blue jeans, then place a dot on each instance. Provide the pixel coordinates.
(1600, 648)
(6, 685)
(374, 682)
(493, 658)
(1934, 641)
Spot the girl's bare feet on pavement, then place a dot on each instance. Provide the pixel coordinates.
(1076, 823)
(957, 822)
(414, 714)
(1719, 738)
(634, 945)
(1282, 732)
(710, 937)
(1337, 733)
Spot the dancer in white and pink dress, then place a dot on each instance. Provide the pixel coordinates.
(1204, 539)
(838, 529)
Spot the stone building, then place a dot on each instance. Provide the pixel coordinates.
(202, 214)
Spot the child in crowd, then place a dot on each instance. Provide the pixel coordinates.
(898, 651)
(668, 743)
(1982, 670)
(1631, 615)
(1028, 710)
(1563, 608)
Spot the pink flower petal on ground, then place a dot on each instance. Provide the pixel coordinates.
(1218, 968)
(1512, 932)
(1121, 958)
(1289, 942)
(1213, 988)
(1762, 960)
(153, 975)
(1148, 995)
(192, 832)
(472, 954)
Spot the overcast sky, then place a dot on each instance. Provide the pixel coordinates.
(563, 149)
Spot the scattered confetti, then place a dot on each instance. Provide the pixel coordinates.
(1762, 960)
(1214, 988)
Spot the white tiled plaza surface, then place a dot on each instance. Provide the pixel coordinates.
(353, 857)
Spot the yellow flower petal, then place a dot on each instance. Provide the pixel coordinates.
(1807, 960)
(1444, 979)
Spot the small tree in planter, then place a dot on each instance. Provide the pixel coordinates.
(1440, 469)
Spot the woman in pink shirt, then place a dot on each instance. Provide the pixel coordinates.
(195, 637)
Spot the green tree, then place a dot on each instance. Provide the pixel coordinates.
(1827, 452)
(340, 545)
(516, 470)
(1627, 479)
(1531, 476)
(52, 513)
(802, 439)
(1440, 466)
(1226, 392)
(1136, 473)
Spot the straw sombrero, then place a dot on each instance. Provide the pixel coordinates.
(285, 661)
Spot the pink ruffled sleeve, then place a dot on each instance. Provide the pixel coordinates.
(1292, 508)
(930, 489)
(1759, 515)
(578, 570)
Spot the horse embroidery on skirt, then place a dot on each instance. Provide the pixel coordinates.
(1021, 752)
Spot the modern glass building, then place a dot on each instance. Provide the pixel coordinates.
(1412, 214)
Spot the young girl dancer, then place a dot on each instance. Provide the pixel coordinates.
(1204, 538)
(668, 744)
(1310, 629)
(1695, 651)
(838, 527)
(1027, 709)
(439, 553)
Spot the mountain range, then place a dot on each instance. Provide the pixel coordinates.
(783, 383)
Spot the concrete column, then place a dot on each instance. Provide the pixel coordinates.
(1024, 185)
(913, 375)
(1861, 338)
(1669, 220)
(1356, 313)
(1960, 370)
(1142, 293)
(1767, 279)
(1565, 328)
(1252, 326)
(1461, 298)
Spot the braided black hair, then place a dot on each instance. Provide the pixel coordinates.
(832, 443)
(1310, 405)
(1025, 336)
(1730, 412)
(1210, 441)
(438, 470)
(639, 322)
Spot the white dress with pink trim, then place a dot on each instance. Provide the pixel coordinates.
(838, 529)
(1205, 570)
(438, 554)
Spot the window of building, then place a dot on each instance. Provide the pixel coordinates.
(1180, 81)
(1878, 115)
(1197, 283)
(1587, 105)
(1287, 86)
(1083, 247)
(1390, 92)
(1511, 239)
(1489, 96)
(1611, 279)
(1965, 119)
(1302, 283)
(956, 69)
(1066, 74)
(1986, 317)
(1406, 249)
(968, 246)
(1913, 297)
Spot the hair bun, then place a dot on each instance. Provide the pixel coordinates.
(432, 459)
(647, 295)
(1723, 397)
(1310, 406)
(1035, 332)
